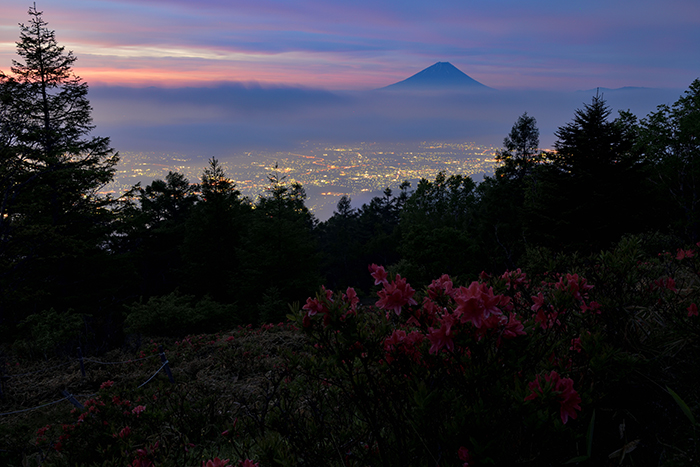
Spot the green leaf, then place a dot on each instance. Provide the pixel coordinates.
(589, 444)
(681, 403)
(589, 435)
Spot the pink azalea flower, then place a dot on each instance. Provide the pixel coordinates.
(350, 297)
(414, 338)
(569, 399)
(538, 302)
(547, 320)
(428, 312)
(248, 463)
(379, 274)
(514, 278)
(682, 254)
(535, 389)
(463, 454)
(442, 337)
(313, 306)
(398, 336)
(667, 283)
(41, 432)
(406, 343)
(505, 303)
(440, 286)
(106, 384)
(574, 285)
(476, 303)
(216, 462)
(576, 345)
(396, 295)
(671, 284)
(513, 328)
(328, 293)
(138, 409)
(593, 306)
(692, 310)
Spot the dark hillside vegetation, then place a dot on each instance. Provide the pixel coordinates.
(512, 369)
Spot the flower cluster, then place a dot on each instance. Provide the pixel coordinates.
(563, 388)
(475, 310)
(324, 303)
(448, 334)
(395, 294)
(404, 343)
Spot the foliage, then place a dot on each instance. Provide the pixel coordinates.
(175, 314)
(278, 248)
(214, 232)
(668, 140)
(425, 381)
(193, 422)
(576, 370)
(354, 238)
(50, 331)
(521, 149)
(338, 239)
(436, 214)
(591, 190)
(150, 231)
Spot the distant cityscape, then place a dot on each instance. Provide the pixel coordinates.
(360, 171)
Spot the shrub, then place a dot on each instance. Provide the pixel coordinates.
(50, 332)
(175, 314)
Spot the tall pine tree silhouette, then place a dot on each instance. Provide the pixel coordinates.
(52, 170)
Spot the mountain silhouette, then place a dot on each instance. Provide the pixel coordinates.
(441, 76)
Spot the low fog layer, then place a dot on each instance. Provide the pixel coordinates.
(229, 119)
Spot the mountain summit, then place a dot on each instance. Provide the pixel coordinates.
(441, 76)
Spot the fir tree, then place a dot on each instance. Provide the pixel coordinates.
(52, 215)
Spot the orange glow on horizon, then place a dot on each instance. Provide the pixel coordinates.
(164, 77)
(160, 77)
(189, 75)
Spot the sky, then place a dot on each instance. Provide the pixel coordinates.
(225, 75)
(365, 44)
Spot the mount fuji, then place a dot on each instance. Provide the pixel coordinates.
(442, 76)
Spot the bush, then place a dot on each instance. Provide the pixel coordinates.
(177, 315)
(51, 332)
(506, 370)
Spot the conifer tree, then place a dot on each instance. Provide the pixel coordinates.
(213, 236)
(521, 149)
(591, 191)
(52, 168)
(670, 142)
(278, 259)
(438, 213)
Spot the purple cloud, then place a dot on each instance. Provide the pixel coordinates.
(364, 44)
